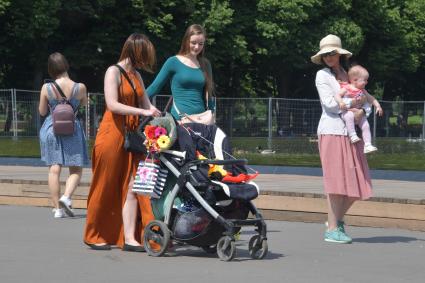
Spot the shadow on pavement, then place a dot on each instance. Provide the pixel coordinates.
(242, 254)
(76, 216)
(250, 232)
(386, 240)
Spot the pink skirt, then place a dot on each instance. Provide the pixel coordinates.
(344, 165)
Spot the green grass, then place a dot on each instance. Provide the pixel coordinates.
(412, 120)
(279, 159)
(376, 161)
(396, 154)
(397, 161)
(23, 147)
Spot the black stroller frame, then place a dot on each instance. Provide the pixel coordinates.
(158, 235)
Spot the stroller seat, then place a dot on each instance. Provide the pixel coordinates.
(198, 138)
(242, 191)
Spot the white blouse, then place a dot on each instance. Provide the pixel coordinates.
(330, 122)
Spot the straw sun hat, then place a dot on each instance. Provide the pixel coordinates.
(328, 44)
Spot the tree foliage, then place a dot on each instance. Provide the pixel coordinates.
(257, 48)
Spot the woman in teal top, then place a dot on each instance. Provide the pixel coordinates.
(189, 73)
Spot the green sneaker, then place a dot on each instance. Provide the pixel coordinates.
(337, 236)
(340, 226)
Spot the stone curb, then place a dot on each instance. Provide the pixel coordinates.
(276, 205)
(265, 192)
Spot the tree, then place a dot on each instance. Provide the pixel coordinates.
(257, 48)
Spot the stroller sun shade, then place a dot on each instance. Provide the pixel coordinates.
(212, 142)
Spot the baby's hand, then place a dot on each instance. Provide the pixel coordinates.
(342, 92)
(343, 106)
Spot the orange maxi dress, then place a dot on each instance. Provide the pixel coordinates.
(112, 168)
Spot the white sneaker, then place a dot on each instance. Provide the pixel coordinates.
(58, 213)
(66, 204)
(354, 138)
(369, 148)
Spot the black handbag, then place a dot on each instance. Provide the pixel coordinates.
(133, 142)
(133, 139)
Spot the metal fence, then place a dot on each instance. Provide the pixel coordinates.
(269, 118)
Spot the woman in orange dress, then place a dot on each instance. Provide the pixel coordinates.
(113, 210)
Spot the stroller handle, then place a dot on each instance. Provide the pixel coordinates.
(219, 162)
(144, 120)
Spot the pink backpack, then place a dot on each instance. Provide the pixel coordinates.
(63, 115)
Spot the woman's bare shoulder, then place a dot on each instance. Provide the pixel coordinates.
(83, 88)
(43, 91)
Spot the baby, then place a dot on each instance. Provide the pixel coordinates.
(355, 89)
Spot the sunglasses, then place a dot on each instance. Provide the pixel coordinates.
(332, 53)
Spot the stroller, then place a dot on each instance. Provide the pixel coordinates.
(200, 211)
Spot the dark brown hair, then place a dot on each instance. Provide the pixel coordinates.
(141, 52)
(344, 62)
(204, 63)
(57, 65)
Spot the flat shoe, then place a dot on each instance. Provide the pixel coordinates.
(104, 247)
(131, 248)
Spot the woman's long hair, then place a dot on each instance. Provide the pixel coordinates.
(140, 51)
(204, 63)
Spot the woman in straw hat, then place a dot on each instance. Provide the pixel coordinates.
(345, 170)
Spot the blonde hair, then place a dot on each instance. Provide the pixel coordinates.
(357, 71)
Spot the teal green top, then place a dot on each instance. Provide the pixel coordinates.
(187, 87)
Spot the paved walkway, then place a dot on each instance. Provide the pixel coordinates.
(37, 248)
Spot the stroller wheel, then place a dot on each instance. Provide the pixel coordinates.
(226, 248)
(257, 249)
(210, 249)
(156, 238)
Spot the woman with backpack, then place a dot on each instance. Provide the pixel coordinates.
(62, 142)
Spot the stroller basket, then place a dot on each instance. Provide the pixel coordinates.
(198, 228)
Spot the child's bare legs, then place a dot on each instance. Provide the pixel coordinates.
(54, 184)
(348, 117)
